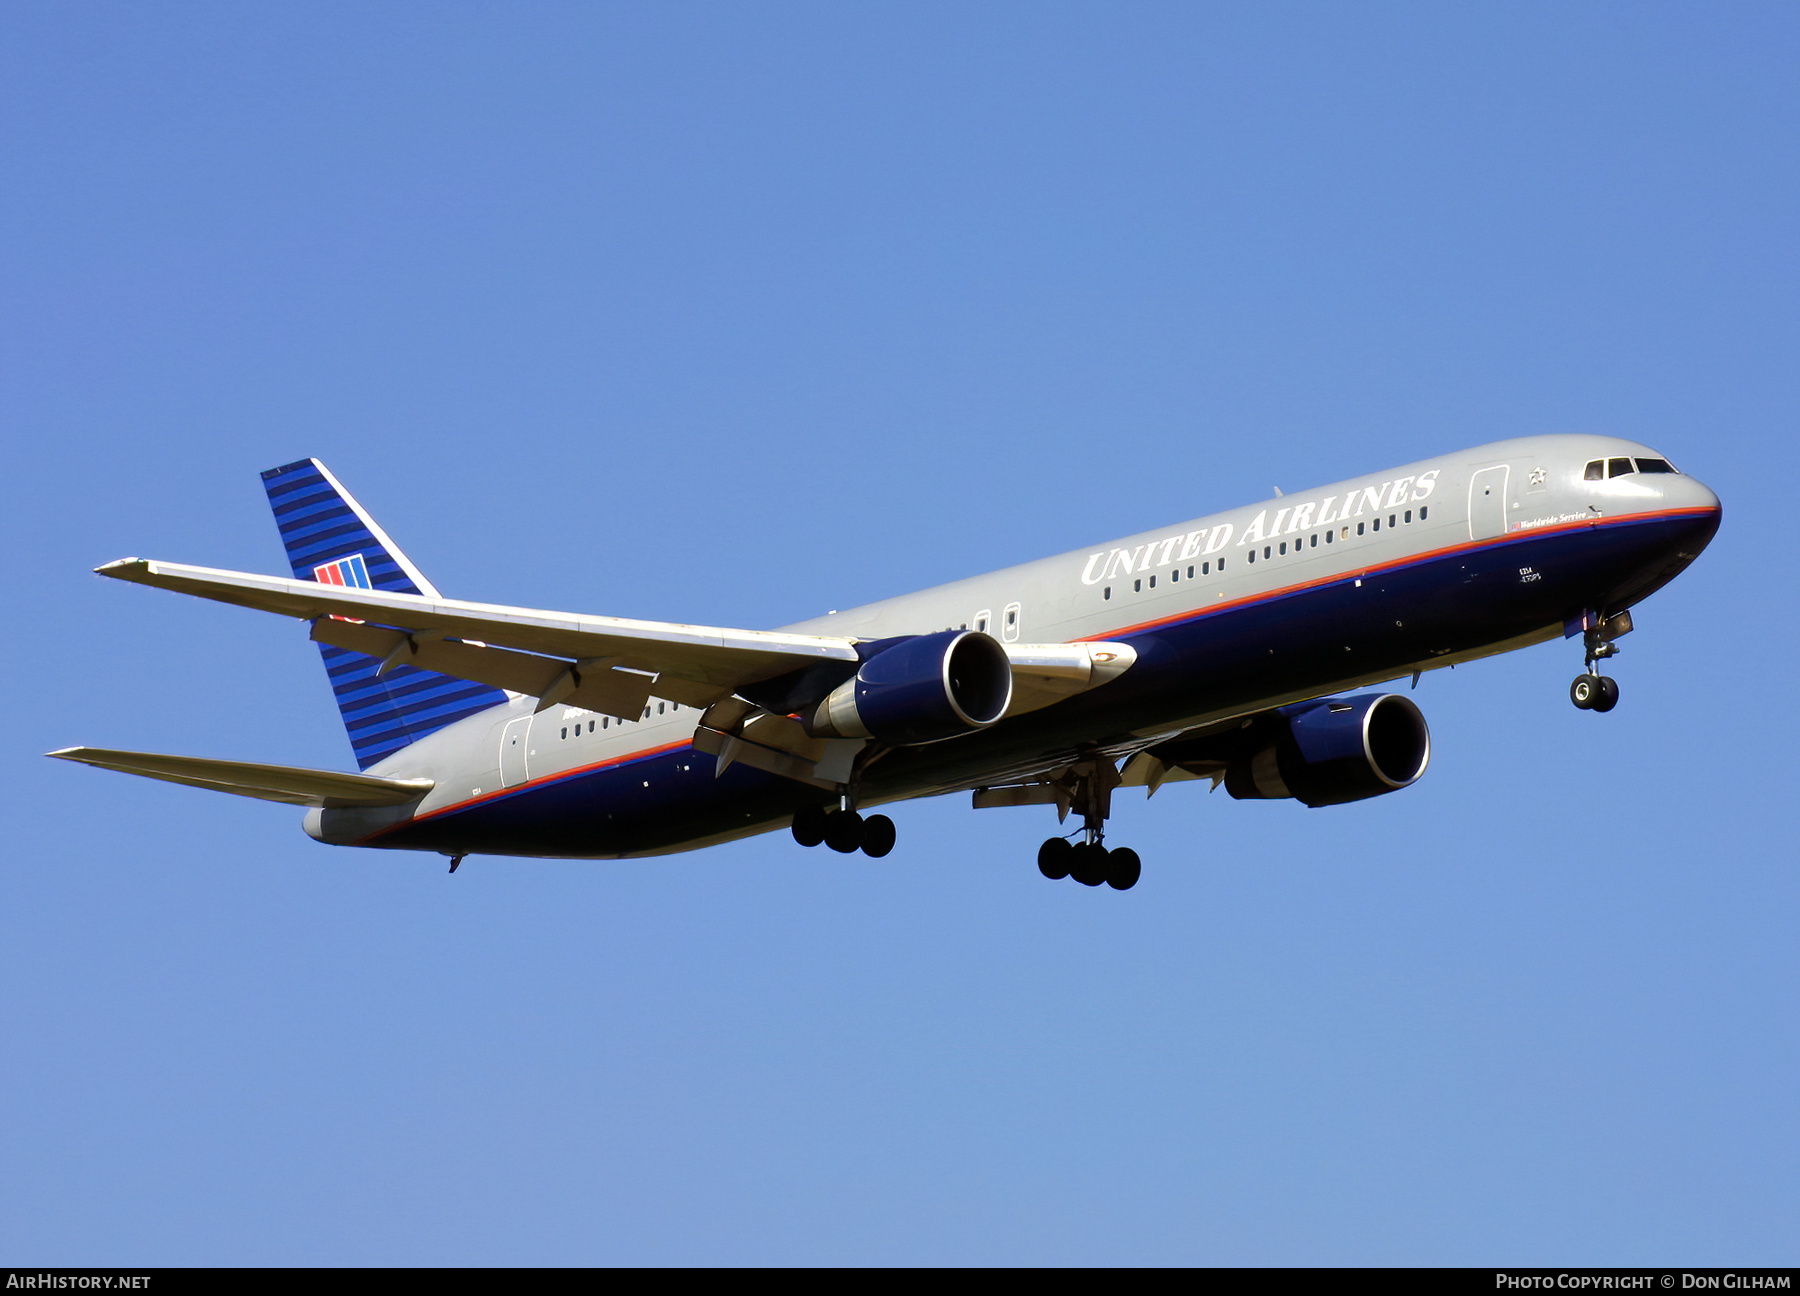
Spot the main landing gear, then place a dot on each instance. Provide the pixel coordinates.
(1088, 787)
(844, 830)
(1089, 863)
(1591, 691)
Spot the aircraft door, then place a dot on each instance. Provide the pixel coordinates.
(512, 750)
(1009, 625)
(1487, 503)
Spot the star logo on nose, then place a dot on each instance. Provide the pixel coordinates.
(1539, 476)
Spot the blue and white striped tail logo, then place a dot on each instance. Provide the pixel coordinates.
(351, 571)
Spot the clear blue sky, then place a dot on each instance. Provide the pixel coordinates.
(736, 313)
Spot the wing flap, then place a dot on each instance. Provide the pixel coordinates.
(285, 783)
(592, 685)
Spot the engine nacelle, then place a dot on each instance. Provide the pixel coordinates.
(920, 690)
(1335, 750)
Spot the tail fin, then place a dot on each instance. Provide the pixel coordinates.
(330, 538)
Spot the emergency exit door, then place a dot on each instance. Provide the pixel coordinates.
(512, 751)
(1487, 503)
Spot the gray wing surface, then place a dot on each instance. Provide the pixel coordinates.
(285, 783)
(605, 663)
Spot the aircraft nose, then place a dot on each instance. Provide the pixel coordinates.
(1691, 493)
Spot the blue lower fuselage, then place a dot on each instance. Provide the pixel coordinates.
(1203, 664)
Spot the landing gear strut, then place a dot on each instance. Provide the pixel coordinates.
(1087, 787)
(1592, 691)
(844, 830)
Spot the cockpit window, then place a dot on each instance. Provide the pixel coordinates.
(1655, 465)
(1618, 467)
(1596, 471)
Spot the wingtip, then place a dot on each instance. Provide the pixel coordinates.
(66, 753)
(119, 566)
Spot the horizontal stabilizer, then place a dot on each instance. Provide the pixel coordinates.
(303, 787)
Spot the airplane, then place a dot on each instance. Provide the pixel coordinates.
(1226, 648)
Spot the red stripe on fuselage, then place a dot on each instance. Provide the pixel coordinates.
(545, 781)
(1359, 573)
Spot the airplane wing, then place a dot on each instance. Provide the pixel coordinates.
(285, 783)
(606, 664)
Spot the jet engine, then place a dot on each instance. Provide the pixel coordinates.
(920, 690)
(1334, 751)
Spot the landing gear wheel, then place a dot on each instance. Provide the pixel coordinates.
(1122, 868)
(1054, 858)
(877, 836)
(809, 825)
(844, 831)
(1607, 696)
(1088, 866)
(1584, 691)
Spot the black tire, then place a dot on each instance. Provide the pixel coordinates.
(1054, 858)
(1608, 695)
(1088, 867)
(877, 836)
(1583, 690)
(809, 825)
(1123, 867)
(844, 831)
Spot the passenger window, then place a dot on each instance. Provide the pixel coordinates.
(1152, 586)
(1655, 466)
(1106, 593)
(1618, 467)
(1315, 541)
(659, 709)
(1328, 536)
(1265, 551)
(1253, 555)
(1422, 512)
(1595, 471)
(1378, 524)
(1360, 526)
(1175, 576)
(1284, 546)
(1409, 517)
(605, 722)
(1137, 587)
(1190, 573)
(1393, 520)
(1221, 564)
(1205, 569)
(565, 731)
(646, 713)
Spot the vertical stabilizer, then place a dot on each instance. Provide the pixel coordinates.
(330, 538)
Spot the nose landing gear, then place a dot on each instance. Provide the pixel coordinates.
(1594, 692)
(1591, 691)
